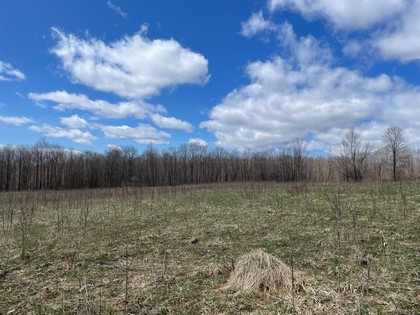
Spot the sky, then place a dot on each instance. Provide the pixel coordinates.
(90, 75)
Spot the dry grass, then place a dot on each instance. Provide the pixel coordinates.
(170, 250)
(259, 271)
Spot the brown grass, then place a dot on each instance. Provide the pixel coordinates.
(259, 271)
(170, 250)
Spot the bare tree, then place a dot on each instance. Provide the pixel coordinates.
(9, 162)
(295, 153)
(379, 159)
(395, 143)
(129, 154)
(351, 156)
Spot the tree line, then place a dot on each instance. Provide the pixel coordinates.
(47, 166)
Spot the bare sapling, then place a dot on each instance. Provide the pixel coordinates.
(26, 215)
(11, 209)
(3, 218)
(335, 200)
(352, 208)
(59, 211)
(85, 210)
(403, 192)
(126, 266)
(292, 267)
(87, 301)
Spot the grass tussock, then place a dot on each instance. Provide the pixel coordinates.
(260, 271)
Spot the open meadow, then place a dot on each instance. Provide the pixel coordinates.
(352, 249)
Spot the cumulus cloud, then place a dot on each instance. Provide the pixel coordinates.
(8, 73)
(78, 136)
(256, 24)
(401, 40)
(305, 96)
(199, 142)
(345, 14)
(171, 123)
(143, 134)
(133, 67)
(74, 122)
(116, 8)
(14, 120)
(304, 50)
(100, 108)
(393, 26)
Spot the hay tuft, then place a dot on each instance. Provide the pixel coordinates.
(259, 271)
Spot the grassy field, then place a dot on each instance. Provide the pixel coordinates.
(354, 249)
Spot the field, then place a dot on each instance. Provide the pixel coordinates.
(354, 249)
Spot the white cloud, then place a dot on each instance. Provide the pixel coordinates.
(352, 48)
(74, 122)
(370, 132)
(143, 134)
(198, 142)
(394, 25)
(345, 14)
(17, 121)
(116, 8)
(112, 147)
(171, 123)
(401, 40)
(133, 67)
(8, 73)
(305, 96)
(304, 50)
(78, 136)
(100, 108)
(256, 24)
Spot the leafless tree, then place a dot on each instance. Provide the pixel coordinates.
(351, 156)
(395, 143)
(379, 158)
(296, 162)
(6, 172)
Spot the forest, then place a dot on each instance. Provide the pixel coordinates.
(49, 166)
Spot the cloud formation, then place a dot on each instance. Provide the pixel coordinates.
(401, 40)
(100, 108)
(14, 120)
(171, 123)
(391, 27)
(133, 67)
(345, 14)
(117, 9)
(8, 73)
(255, 25)
(78, 136)
(74, 122)
(198, 142)
(303, 95)
(143, 133)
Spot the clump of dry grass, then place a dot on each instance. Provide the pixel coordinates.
(259, 271)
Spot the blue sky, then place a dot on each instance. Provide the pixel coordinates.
(237, 74)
